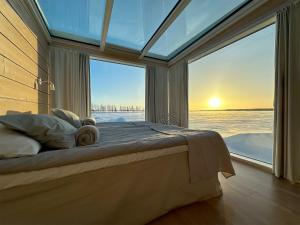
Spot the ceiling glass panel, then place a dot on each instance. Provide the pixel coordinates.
(198, 17)
(79, 20)
(133, 22)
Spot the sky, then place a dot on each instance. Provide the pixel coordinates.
(117, 84)
(238, 76)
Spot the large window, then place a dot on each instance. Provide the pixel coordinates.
(231, 91)
(117, 92)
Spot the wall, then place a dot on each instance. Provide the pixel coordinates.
(23, 58)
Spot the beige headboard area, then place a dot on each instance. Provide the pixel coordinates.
(23, 58)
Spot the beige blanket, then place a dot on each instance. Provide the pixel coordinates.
(207, 152)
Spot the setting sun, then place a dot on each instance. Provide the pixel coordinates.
(214, 102)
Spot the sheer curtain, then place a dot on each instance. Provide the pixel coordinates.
(156, 108)
(178, 94)
(286, 158)
(70, 72)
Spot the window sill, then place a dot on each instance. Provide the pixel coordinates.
(255, 163)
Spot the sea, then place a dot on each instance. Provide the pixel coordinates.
(246, 132)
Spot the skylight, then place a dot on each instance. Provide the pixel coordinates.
(193, 22)
(133, 23)
(79, 20)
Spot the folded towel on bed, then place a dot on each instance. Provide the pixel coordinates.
(87, 135)
(88, 121)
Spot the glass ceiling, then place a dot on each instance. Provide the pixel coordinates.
(79, 20)
(198, 17)
(134, 22)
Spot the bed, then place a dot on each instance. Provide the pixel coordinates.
(137, 172)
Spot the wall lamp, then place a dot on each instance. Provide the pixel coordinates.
(50, 83)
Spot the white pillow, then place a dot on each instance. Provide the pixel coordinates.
(49, 130)
(15, 144)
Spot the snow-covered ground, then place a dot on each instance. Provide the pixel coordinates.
(252, 145)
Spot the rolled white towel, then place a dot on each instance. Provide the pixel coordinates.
(88, 121)
(87, 135)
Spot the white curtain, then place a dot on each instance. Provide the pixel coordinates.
(178, 94)
(286, 157)
(70, 73)
(156, 108)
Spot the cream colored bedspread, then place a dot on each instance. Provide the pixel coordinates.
(207, 152)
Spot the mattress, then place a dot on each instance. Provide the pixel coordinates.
(29, 177)
(125, 194)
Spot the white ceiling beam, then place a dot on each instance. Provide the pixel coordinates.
(105, 26)
(169, 20)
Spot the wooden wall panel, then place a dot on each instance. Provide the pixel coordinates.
(14, 106)
(14, 90)
(11, 52)
(7, 30)
(24, 57)
(15, 72)
(35, 38)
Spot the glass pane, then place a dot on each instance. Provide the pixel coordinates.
(231, 91)
(195, 19)
(79, 20)
(117, 92)
(133, 22)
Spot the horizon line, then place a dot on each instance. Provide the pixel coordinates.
(247, 109)
(194, 110)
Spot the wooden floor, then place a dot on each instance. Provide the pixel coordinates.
(251, 197)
